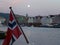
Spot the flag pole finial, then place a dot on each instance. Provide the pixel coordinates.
(10, 7)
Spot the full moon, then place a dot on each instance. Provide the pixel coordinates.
(28, 5)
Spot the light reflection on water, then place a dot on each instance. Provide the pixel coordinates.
(1, 42)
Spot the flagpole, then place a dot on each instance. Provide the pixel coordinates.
(20, 27)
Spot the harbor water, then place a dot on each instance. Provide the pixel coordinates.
(37, 36)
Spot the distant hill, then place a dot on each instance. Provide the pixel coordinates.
(5, 15)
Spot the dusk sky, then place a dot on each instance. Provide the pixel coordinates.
(32, 7)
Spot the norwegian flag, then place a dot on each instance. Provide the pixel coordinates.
(13, 31)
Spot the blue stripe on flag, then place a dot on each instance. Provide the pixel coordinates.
(13, 40)
(12, 25)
